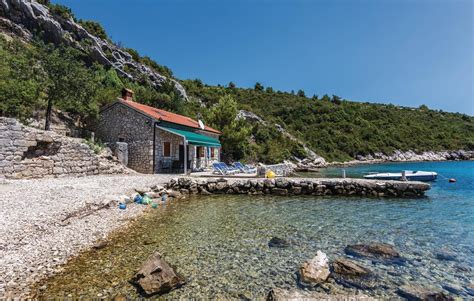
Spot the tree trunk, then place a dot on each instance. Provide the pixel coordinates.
(47, 124)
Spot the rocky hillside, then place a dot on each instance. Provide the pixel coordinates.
(77, 65)
(24, 17)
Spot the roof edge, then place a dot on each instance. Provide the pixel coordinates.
(122, 101)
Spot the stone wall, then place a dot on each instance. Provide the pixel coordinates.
(297, 186)
(119, 123)
(175, 141)
(26, 152)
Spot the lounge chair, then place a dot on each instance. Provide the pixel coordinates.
(228, 169)
(245, 168)
(218, 169)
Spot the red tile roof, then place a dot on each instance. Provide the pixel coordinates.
(166, 116)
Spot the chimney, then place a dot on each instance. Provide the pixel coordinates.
(127, 94)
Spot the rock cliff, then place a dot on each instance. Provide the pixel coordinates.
(24, 17)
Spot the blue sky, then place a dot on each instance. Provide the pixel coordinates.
(403, 52)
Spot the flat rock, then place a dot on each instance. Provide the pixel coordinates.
(277, 294)
(347, 267)
(374, 250)
(315, 271)
(350, 274)
(416, 293)
(277, 242)
(157, 277)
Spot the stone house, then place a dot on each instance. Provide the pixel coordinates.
(158, 141)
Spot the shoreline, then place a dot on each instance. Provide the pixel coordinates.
(380, 161)
(39, 238)
(46, 222)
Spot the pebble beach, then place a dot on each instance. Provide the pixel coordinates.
(44, 222)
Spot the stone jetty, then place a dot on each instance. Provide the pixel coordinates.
(298, 186)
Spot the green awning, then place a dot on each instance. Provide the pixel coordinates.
(193, 138)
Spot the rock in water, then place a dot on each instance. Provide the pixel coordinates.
(157, 277)
(277, 242)
(374, 250)
(446, 255)
(315, 271)
(416, 293)
(347, 267)
(351, 274)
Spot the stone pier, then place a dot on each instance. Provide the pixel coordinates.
(299, 186)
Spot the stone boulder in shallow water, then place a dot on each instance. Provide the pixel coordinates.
(277, 242)
(314, 271)
(350, 274)
(374, 250)
(156, 277)
(349, 268)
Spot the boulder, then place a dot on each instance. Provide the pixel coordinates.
(374, 250)
(278, 294)
(277, 242)
(156, 277)
(279, 191)
(349, 268)
(350, 274)
(416, 293)
(315, 271)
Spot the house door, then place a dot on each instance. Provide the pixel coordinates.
(181, 155)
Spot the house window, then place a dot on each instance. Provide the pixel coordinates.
(166, 149)
(213, 152)
(200, 152)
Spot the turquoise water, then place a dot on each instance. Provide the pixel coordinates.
(220, 243)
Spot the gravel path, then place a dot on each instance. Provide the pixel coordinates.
(37, 233)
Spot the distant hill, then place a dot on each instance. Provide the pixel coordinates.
(48, 56)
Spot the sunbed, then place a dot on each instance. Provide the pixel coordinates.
(228, 169)
(244, 168)
(218, 169)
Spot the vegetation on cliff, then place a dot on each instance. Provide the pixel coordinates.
(37, 74)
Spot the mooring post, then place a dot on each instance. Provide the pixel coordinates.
(343, 173)
(404, 178)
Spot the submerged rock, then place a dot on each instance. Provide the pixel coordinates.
(416, 293)
(351, 274)
(374, 250)
(446, 255)
(157, 277)
(278, 294)
(347, 267)
(277, 242)
(315, 271)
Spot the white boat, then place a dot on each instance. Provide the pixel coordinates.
(409, 175)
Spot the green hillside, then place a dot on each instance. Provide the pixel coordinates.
(33, 73)
(339, 129)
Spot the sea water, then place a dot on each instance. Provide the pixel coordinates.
(220, 243)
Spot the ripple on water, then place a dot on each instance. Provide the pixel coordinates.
(220, 244)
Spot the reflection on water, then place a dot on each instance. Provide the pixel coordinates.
(219, 243)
